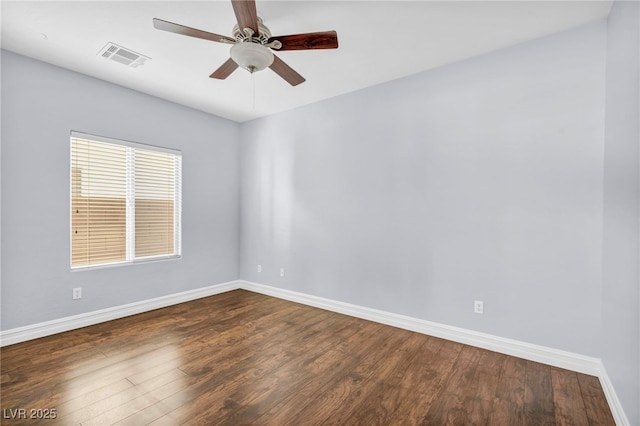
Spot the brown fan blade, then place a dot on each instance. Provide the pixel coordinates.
(188, 31)
(319, 40)
(286, 72)
(246, 14)
(225, 70)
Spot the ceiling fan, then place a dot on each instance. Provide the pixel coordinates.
(252, 43)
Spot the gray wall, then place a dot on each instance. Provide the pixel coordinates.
(478, 180)
(40, 105)
(621, 251)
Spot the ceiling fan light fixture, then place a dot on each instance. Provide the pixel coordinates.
(251, 56)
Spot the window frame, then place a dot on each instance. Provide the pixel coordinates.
(130, 258)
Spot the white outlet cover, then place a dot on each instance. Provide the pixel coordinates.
(282, 272)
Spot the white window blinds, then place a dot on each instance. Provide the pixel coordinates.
(125, 201)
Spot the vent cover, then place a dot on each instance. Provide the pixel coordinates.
(123, 55)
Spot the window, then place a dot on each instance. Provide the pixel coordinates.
(125, 201)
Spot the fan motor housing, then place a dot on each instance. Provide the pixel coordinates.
(263, 36)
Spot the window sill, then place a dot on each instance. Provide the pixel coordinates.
(151, 259)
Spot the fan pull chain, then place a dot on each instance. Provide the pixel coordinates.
(253, 85)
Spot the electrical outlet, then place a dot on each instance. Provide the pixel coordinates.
(77, 293)
(478, 307)
(259, 268)
(282, 272)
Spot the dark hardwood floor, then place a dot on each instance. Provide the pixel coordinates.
(245, 358)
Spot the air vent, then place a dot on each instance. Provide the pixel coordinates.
(123, 55)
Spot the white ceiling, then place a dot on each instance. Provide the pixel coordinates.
(379, 41)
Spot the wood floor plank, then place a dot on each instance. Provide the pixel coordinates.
(567, 398)
(251, 362)
(325, 372)
(386, 391)
(598, 412)
(246, 358)
(82, 414)
(506, 412)
(449, 407)
(144, 416)
(301, 368)
(508, 405)
(83, 400)
(335, 401)
(538, 395)
(511, 382)
(488, 374)
(382, 388)
(426, 375)
(5, 379)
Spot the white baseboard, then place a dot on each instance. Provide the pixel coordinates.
(529, 351)
(34, 331)
(612, 398)
(537, 353)
(545, 355)
(555, 357)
